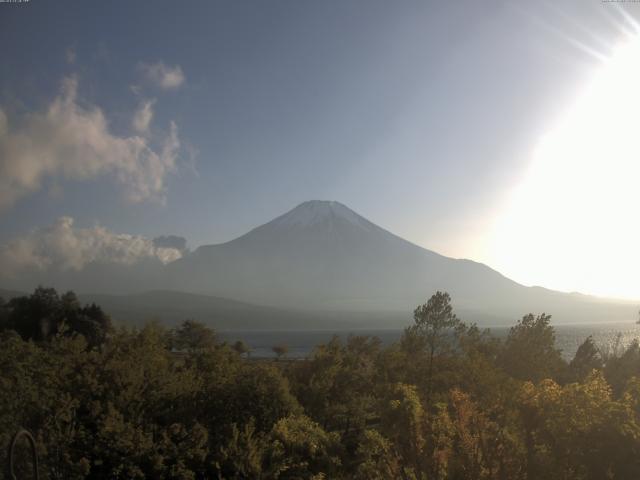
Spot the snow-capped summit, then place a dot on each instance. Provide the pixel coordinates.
(323, 253)
(323, 256)
(320, 211)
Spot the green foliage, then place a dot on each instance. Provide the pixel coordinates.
(579, 430)
(433, 324)
(376, 458)
(241, 347)
(192, 336)
(402, 421)
(530, 352)
(45, 314)
(621, 368)
(337, 383)
(240, 453)
(586, 359)
(298, 448)
(431, 339)
(448, 402)
(257, 392)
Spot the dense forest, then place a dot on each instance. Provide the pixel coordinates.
(448, 401)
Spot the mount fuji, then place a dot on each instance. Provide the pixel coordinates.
(322, 256)
(320, 265)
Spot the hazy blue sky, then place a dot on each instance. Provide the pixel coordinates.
(421, 116)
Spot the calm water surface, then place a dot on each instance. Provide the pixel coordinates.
(302, 342)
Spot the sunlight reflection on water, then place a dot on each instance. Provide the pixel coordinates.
(301, 342)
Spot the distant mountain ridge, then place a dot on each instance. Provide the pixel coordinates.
(171, 307)
(322, 259)
(319, 254)
(322, 255)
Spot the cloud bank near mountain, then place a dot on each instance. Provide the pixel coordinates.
(64, 247)
(72, 140)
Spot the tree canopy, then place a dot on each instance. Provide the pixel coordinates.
(447, 402)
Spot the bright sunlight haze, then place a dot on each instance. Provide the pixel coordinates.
(572, 224)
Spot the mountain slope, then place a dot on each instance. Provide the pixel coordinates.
(172, 307)
(323, 256)
(319, 265)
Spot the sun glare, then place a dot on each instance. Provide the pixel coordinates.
(573, 223)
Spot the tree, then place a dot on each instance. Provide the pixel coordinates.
(280, 350)
(578, 431)
(240, 454)
(529, 352)
(479, 443)
(241, 347)
(434, 322)
(44, 314)
(335, 385)
(256, 392)
(376, 458)
(35, 317)
(403, 422)
(620, 368)
(90, 321)
(299, 449)
(133, 409)
(193, 336)
(586, 359)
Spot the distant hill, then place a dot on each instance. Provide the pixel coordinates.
(170, 308)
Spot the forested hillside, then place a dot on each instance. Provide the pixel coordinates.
(446, 402)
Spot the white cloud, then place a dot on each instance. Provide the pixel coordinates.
(74, 142)
(70, 55)
(63, 247)
(163, 76)
(143, 116)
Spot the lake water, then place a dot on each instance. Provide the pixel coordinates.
(302, 342)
